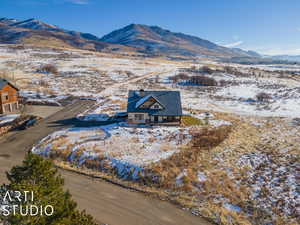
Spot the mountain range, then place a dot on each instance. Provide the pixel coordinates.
(36, 32)
(145, 39)
(158, 40)
(291, 58)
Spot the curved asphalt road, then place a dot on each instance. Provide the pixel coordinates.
(107, 203)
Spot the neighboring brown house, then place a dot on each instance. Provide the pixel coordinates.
(154, 107)
(8, 97)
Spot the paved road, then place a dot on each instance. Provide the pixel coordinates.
(108, 203)
(13, 147)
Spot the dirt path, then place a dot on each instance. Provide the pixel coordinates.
(110, 90)
(41, 110)
(108, 203)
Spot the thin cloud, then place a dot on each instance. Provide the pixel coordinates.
(78, 2)
(30, 2)
(49, 2)
(280, 51)
(234, 44)
(235, 37)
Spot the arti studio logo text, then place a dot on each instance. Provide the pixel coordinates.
(22, 203)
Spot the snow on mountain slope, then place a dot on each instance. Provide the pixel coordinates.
(136, 37)
(34, 24)
(158, 40)
(8, 21)
(39, 33)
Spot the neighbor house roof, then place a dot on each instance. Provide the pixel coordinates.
(4, 82)
(170, 100)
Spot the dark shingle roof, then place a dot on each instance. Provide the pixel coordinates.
(4, 82)
(170, 100)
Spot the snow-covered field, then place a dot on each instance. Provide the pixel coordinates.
(80, 73)
(240, 96)
(125, 149)
(254, 170)
(97, 75)
(8, 118)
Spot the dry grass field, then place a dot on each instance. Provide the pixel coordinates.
(234, 159)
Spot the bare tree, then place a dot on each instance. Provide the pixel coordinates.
(182, 76)
(49, 68)
(204, 80)
(207, 69)
(263, 97)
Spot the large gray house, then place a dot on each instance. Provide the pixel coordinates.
(154, 107)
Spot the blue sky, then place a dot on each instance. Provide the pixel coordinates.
(267, 26)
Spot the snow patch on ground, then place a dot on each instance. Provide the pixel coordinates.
(8, 118)
(127, 150)
(273, 183)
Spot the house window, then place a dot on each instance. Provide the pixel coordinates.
(170, 118)
(15, 106)
(156, 106)
(7, 108)
(139, 116)
(5, 96)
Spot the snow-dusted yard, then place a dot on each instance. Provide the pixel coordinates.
(8, 118)
(254, 170)
(125, 149)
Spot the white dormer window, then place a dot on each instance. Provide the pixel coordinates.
(156, 106)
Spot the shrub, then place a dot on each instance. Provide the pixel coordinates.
(166, 170)
(229, 69)
(44, 83)
(49, 68)
(263, 97)
(182, 76)
(174, 79)
(206, 69)
(209, 138)
(204, 80)
(179, 77)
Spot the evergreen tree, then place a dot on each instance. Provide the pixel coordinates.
(39, 176)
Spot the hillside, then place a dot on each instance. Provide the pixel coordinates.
(160, 41)
(291, 58)
(151, 40)
(38, 33)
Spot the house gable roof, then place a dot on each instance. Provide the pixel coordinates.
(142, 100)
(170, 100)
(140, 103)
(4, 82)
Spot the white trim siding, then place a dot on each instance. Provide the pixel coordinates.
(138, 117)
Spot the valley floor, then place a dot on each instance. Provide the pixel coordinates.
(237, 165)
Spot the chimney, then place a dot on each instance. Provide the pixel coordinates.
(142, 92)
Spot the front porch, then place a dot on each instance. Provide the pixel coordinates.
(139, 118)
(165, 119)
(174, 123)
(9, 108)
